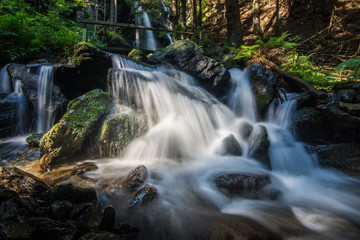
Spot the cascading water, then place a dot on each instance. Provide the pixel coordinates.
(4, 80)
(45, 111)
(184, 151)
(147, 38)
(21, 109)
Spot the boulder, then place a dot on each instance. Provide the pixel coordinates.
(308, 124)
(96, 217)
(81, 69)
(61, 209)
(245, 129)
(75, 194)
(347, 95)
(134, 179)
(259, 146)
(100, 236)
(15, 230)
(9, 209)
(24, 184)
(187, 56)
(263, 83)
(78, 124)
(145, 195)
(351, 108)
(118, 131)
(244, 184)
(230, 146)
(125, 229)
(6, 194)
(33, 140)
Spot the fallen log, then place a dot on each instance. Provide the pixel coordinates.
(295, 80)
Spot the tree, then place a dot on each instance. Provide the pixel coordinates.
(234, 26)
(256, 19)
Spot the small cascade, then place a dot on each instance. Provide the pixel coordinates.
(169, 23)
(21, 105)
(45, 111)
(147, 38)
(5, 86)
(280, 113)
(241, 100)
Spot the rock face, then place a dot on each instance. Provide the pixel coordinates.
(259, 145)
(82, 69)
(187, 56)
(145, 195)
(263, 83)
(244, 184)
(67, 137)
(133, 179)
(118, 131)
(231, 146)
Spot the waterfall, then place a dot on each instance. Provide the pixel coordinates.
(147, 38)
(5, 86)
(183, 150)
(169, 23)
(45, 111)
(21, 109)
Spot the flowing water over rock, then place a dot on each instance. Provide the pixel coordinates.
(201, 182)
(147, 38)
(4, 80)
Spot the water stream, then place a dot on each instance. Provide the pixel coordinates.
(147, 37)
(184, 151)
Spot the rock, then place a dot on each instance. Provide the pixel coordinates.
(259, 145)
(33, 140)
(82, 69)
(100, 236)
(61, 209)
(143, 196)
(75, 194)
(118, 131)
(308, 124)
(9, 209)
(187, 56)
(15, 230)
(263, 83)
(125, 229)
(245, 129)
(137, 55)
(245, 184)
(6, 194)
(67, 137)
(231, 146)
(351, 108)
(133, 179)
(24, 184)
(97, 217)
(46, 228)
(347, 95)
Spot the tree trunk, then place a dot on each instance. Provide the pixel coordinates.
(277, 27)
(234, 27)
(200, 15)
(183, 14)
(256, 19)
(194, 18)
(175, 12)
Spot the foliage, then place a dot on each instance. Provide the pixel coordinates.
(29, 32)
(351, 64)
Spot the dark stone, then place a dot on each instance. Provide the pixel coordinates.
(125, 229)
(245, 130)
(259, 146)
(133, 179)
(187, 56)
(347, 95)
(308, 124)
(9, 209)
(351, 108)
(75, 194)
(96, 217)
(61, 209)
(34, 140)
(231, 146)
(6, 194)
(143, 196)
(245, 184)
(24, 184)
(16, 230)
(100, 236)
(263, 83)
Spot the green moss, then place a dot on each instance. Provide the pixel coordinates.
(80, 53)
(261, 100)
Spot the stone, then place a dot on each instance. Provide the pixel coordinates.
(245, 184)
(308, 124)
(186, 55)
(231, 146)
(259, 146)
(263, 83)
(351, 108)
(33, 140)
(6, 194)
(75, 194)
(97, 217)
(347, 95)
(100, 236)
(24, 184)
(66, 138)
(61, 209)
(125, 229)
(9, 209)
(134, 179)
(145, 195)
(245, 129)
(15, 230)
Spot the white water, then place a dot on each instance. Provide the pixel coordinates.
(147, 38)
(21, 109)
(182, 151)
(45, 112)
(5, 86)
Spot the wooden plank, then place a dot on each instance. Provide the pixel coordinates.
(125, 25)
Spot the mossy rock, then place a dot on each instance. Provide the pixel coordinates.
(79, 53)
(67, 136)
(34, 140)
(118, 131)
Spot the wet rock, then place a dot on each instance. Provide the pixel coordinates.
(347, 95)
(231, 146)
(9, 209)
(75, 194)
(82, 69)
(118, 131)
(259, 146)
(351, 108)
(100, 236)
(245, 184)
(125, 229)
(308, 124)
(24, 184)
(15, 230)
(46, 228)
(263, 83)
(187, 56)
(96, 217)
(33, 140)
(145, 195)
(67, 137)
(133, 179)
(245, 130)
(61, 209)
(6, 194)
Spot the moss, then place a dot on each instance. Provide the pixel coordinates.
(261, 100)
(80, 53)
(137, 55)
